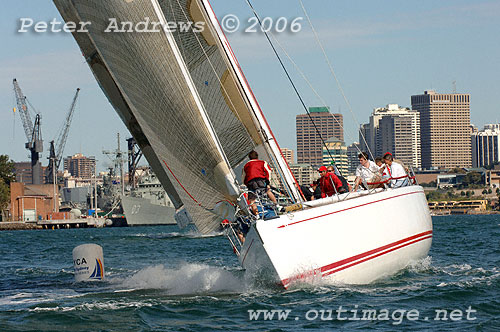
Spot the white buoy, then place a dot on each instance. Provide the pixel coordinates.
(88, 261)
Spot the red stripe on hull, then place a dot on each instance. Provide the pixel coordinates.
(358, 259)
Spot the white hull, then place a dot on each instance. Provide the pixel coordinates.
(140, 212)
(355, 241)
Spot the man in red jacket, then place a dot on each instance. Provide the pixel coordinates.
(329, 182)
(256, 175)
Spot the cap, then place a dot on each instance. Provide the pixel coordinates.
(322, 168)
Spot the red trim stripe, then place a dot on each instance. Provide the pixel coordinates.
(349, 208)
(358, 259)
(377, 255)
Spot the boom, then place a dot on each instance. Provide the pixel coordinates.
(63, 135)
(57, 148)
(22, 107)
(33, 133)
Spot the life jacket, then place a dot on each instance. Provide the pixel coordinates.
(327, 182)
(255, 168)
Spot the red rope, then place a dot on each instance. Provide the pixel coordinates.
(387, 180)
(176, 179)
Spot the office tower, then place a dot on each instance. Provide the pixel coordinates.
(486, 146)
(336, 154)
(396, 130)
(365, 137)
(309, 143)
(444, 129)
(288, 155)
(352, 158)
(80, 166)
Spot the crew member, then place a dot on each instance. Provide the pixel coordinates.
(367, 171)
(329, 182)
(256, 175)
(345, 185)
(399, 177)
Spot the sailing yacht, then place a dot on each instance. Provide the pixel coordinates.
(184, 98)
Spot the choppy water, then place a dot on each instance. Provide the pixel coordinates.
(159, 279)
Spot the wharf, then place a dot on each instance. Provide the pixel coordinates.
(54, 224)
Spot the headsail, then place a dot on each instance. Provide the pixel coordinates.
(185, 92)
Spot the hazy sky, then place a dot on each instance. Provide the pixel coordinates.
(382, 52)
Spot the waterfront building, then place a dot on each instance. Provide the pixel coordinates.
(486, 145)
(80, 166)
(305, 174)
(336, 154)
(444, 129)
(288, 155)
(32, 202)
(309, 143)
(393, 129)
(352, 158)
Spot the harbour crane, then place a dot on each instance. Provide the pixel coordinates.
(56, 149)
(33, 132)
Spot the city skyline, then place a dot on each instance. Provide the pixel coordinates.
(377, 63)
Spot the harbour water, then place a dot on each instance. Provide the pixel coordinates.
(161, 279)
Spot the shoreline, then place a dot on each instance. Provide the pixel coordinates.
(466, 213)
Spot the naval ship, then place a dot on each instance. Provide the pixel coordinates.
(148, 204)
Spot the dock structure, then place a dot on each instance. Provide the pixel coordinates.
(54, 224)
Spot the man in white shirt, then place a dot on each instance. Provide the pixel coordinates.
(367, 171)
(396, 171)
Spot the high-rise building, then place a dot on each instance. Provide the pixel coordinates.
(288, 155)
(444, 129)
(309, 142)
(336, 154)
(486, 146)
(352, 158)
(80, 166)
(393, 129)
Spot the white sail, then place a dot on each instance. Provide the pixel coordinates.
(185, 92)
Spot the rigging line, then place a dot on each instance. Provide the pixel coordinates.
(333, 73)
(290, 79)
(217, 77)
(278, 169)
(310, 85)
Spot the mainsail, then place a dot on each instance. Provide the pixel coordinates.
(182, 93)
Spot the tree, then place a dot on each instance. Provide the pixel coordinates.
(472, 178)
(462, 193)
(6, 177)
(484, 192)
(490, 191)
(456, 170)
